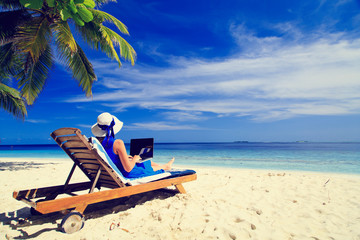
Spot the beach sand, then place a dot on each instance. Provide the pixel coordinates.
(220, 204)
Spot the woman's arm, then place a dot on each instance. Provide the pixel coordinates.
(120, 150)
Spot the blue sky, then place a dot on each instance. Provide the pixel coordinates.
(216, 71)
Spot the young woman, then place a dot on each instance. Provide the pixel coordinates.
(105, 129)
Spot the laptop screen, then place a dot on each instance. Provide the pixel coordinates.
(143, 147)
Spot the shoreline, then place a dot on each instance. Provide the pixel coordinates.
(65, 159)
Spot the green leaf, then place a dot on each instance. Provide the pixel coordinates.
(83, 71)
(10, 4)
(34, 77)
(72, 6)
(104, 1)
(10, 61)
(65, 14)
(79, 64)
(91, 33)
(33, 37)
(126, 50)
(111, 19)
(78, 1)
(11, 101)
(89, 3)
(107, 44)
(9, 23)
(85, 14)
(78, 19)
(64, 37)
(34, 4)
(51, 3)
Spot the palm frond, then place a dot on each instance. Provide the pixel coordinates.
(101, 37)
(9, 20)
(91, 34)
(33, 37)
(107, 45)
(83, 71)
(10, 63)
(104, 1)
(62, 33)
(126, 50)
(12, 102)
(101, 2)
(78, 63)
(10, 4)
(122, 28)
(34, 75)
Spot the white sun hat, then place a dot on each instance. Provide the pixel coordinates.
(104, 122)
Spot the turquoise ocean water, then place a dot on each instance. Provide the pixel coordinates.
(307, 156)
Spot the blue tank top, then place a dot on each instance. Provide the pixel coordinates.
(142, 169)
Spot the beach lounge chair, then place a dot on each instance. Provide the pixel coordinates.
(91, 158)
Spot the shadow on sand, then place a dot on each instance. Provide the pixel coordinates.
(14, 166)
(19, 219)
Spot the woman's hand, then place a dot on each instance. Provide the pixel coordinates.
(136, 158)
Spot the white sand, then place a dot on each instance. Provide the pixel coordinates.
(220, 204)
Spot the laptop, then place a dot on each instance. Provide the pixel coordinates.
(144, 147)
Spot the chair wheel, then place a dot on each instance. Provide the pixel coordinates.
(72, 222)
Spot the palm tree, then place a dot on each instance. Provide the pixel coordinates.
(34, 32)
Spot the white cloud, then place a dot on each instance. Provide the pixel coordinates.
(184, 116)
(160, 126)
(84, 126)
(319, 77)
(36, 120)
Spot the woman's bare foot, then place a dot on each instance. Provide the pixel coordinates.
(166, 166)
(169, 164)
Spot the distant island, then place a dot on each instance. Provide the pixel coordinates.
(241, 141)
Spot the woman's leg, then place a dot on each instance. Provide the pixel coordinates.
(154, 164)
(166, 166)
